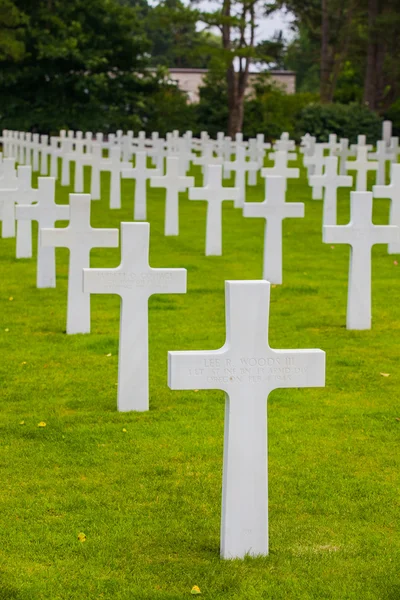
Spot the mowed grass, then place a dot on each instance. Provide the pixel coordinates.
(148, 498)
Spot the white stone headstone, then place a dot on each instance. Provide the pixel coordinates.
(392, 191)
(280, 168)
(26, 195)
(386, 132)
(140, 173)
(317, 162)
(247, 369)
(240, 165)
(361, 235)
(382, 155)
(330, 181)
(135, 281)
(214, 194)
(173, 183)
(362, 165)
(343, 153)
(80, 237)
(274, 209)
(8, 196)
(46, 212)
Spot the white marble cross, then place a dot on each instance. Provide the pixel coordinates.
(330, 181)
(80, 238)
(240, 165)
(387, 132)
(214, 194)
(135, 281)
(26, 195)
(173, 183)
(46, 212)
(317, 162)
(280, 168)
(361, 234)
(274, 209)
(362, 165)
(392, 191)
(247, 369)
(8, 196)
(361, 143)
(343, 153)
(45, 151)
(140, 173)
(381, 155)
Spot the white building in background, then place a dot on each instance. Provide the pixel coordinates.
(190, 80)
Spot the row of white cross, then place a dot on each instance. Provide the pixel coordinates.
(246, 368)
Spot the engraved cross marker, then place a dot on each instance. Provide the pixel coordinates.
(362, 165)
(247, 369)
(240, 165)
(274, 209)
(280, 167)
(330, 181)
(173, 183)
(135, 281)
(80, 237)
(361, 234)
(140, 173)
(8, 195)
(214, 193)
(46, 212)
(392, 191)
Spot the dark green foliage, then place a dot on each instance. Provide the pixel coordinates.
(82, 67)
(393, 113)
(271, 111)
(346, 120)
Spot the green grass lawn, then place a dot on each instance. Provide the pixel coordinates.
(148, 498)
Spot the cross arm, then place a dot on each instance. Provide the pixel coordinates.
(105, 238)
(297, 368)
(157, 181)
(332, 234)
(103, 281)
(386, 234)
(383, 191)
(193, 370)
(254, 209)
(167, 281)
(26, 212)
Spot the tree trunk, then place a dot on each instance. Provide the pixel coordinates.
(370, 82)
(325, 76)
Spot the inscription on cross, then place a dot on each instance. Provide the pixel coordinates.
(135, 281)
(247, 369)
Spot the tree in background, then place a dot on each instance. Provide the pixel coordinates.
(79, 64)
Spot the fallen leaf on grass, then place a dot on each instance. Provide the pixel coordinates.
(397, 418)
(23, 363)
(42, 424)
(11, 298)
(385, 374)
(82, 537)
(109, 354)
(7, 329)
(333, 247)
(195, 590)
(124, 430)
(22, 422)
(395, 262)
